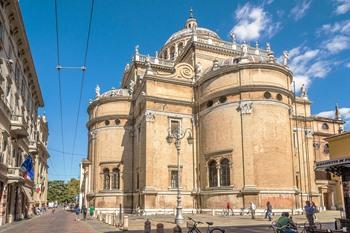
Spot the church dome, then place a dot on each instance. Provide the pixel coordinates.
(179, 39)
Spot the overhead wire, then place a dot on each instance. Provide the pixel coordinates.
(83, 69)
(58, 67)
(65, 152)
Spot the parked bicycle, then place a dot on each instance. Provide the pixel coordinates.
(194, 228)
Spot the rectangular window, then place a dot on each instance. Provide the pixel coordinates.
(1, 31)
(174, 124)
(137, 181)
(174, 181)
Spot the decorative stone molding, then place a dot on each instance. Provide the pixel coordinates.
(150, 116)
(184, 71)
(245, 107)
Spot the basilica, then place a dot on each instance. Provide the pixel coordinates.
(219, 121)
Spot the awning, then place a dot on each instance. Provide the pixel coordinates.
(334, 166)
(28, 193)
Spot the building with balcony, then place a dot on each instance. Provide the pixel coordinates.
(22, 131)
(249, 136)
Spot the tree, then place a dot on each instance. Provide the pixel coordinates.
(73, 189)
(57, 191)
(63, 192)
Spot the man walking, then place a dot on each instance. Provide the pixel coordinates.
(268, 211)
(252, 209)
(309, 212)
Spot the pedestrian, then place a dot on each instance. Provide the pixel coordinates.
(92, 210)
(53, 210)
(268, 213)
(309, 212)
(252, 209)
(84, 211)
(229, 209)
(77, 212)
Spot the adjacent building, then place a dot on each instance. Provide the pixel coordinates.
(247, 136)
(22, 131)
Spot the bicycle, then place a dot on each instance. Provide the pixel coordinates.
(282, 229)
(194, 228)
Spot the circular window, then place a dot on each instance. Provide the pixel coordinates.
(209, 103)
(267, 95)
(325, 126)
(279, 97)
(117, 121)
(222, 99)
(107, 122)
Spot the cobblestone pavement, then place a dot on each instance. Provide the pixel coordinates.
(60, 222)
(64, 222)
(229, 223)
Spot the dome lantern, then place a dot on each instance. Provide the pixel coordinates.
(191, 23)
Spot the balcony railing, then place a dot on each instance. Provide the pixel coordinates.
(153, 60)
(14, 174)
(19, 125)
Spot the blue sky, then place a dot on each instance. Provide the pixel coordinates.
(316, 34)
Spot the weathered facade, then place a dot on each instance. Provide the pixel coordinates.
(253, 138)
(20, 126)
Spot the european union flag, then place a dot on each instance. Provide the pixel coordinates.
(27, 168)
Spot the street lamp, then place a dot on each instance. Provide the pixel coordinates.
(178, 134)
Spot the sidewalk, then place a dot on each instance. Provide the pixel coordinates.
(136, 223)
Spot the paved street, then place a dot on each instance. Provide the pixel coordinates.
(60, 222)
(64, 222)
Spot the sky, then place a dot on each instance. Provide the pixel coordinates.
(316, 33)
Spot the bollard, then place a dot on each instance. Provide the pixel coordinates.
(177, 229)
(125, 223)
(109, 219)
(160, 228)
(213, 212)
(147, 226)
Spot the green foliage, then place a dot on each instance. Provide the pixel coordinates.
(63, 192)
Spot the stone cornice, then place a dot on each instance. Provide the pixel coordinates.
(180, 82)
(216, 49)
(237, 67)
(247, 88)
(169, 101)
(325, 119)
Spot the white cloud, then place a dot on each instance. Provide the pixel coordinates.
(348, 65)
(337, 44)
(300, 9)
(342, 6)
(308, 64)
(344, 114)
(342, 27)
(252, 22)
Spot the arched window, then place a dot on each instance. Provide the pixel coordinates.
(106, 179)
(213, 175)
(225, 172)
(172, 52)
(180, 46)
(115, 178)
(325, 126)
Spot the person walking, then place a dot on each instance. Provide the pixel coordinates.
(92, 210)
(252, 209)
(84, 211)
(309, 212)
(268, 213)
(77, 212)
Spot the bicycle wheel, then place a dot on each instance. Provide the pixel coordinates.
(217, 230)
